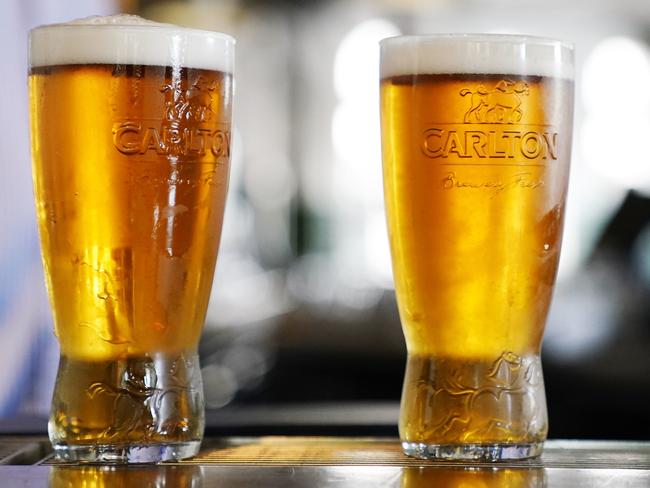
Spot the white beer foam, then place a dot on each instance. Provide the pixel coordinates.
(129, 39)
(476, 53)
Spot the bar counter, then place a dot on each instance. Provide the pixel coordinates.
(318, 445)
(311, 461)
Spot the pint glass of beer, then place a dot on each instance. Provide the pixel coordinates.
(130, 131)
(476, 141)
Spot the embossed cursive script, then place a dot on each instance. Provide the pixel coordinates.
(519, 180)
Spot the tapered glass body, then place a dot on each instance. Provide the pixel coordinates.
(476, 143)
(130, 165)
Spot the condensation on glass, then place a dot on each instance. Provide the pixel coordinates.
(131, 135)
(476, 140)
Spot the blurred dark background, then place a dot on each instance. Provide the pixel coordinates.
(303, 310)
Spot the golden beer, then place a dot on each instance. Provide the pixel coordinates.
(476, 164)
(130, 164)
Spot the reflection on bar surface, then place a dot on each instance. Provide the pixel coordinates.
(153, 476)
(471, 477)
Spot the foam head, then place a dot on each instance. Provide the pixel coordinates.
(128, 39)
(476, 54)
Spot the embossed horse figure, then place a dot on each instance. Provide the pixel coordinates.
(466, 404)
(193, 104)
(133, 395)
(500, 105)
(513, 377)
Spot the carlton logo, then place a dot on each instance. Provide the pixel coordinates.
(184, 131)
(500, 105)
(491, 128)
(193, 104)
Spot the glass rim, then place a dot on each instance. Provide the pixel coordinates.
(172, 29)
(492, 38)
(129, 43)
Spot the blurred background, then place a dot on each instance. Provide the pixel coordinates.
(303, 311)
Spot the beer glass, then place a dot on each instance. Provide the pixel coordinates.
(476, 140)
(130, 135)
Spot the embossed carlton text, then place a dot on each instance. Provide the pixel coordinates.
(186, 128)
(492, 129)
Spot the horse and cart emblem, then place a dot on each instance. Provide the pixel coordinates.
(501, 105)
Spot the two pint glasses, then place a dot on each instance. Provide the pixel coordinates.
(131, 133)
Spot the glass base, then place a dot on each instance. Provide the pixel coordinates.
(102, 453)
(472, 452)
(140, 409)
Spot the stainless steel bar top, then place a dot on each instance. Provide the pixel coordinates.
(323, 476)
(347, 462)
